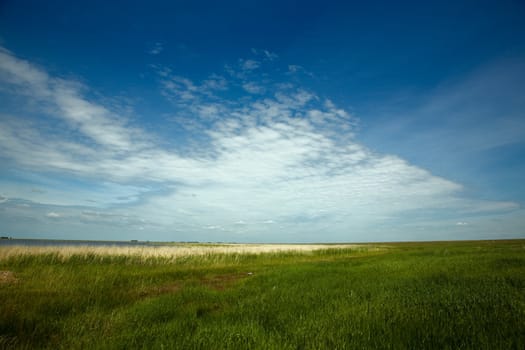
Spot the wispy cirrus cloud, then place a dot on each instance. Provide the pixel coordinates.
(479, 112)
(156, 48)
(265, 54)
(285, 160)
(63, 99)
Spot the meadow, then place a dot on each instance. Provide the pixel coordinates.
(435, 295)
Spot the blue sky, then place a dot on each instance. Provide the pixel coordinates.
(262, 121)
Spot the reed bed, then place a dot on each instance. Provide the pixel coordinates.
(65, 252)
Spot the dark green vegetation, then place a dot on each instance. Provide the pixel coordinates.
(468, 295)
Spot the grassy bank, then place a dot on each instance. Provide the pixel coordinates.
(399, 296)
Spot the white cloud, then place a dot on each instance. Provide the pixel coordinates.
(253, 88)
(215, 82)
(270, 55)
(63, 99)
(27, 77)
(292, 157)
(184, 91)
(179, 88)
(294, 68)
(117, 218)
(265, 54)
(157, 48)
(248, 65)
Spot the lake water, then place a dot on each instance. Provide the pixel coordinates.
(53, 242)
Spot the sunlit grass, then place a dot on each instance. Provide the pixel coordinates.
(468, 295)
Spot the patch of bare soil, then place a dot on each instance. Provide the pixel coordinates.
(218, 282)
(221, 282)
(159, 290)
(7, 277)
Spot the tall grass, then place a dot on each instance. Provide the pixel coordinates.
(170, 253)
(468, 295)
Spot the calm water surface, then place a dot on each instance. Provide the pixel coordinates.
(54, 242)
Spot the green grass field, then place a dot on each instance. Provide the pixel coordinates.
(443, 295)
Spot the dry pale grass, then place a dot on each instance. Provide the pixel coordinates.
(7, 277)
(169, 252)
